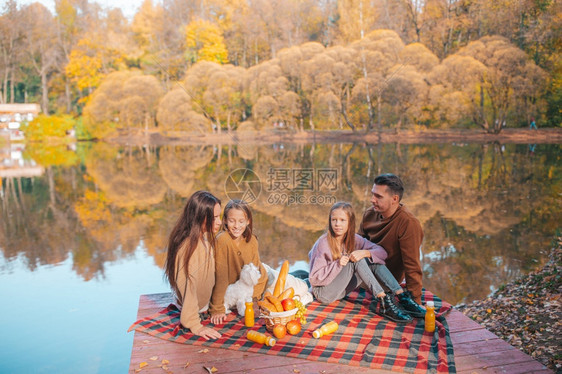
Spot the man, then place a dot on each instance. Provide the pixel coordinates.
(389, 224)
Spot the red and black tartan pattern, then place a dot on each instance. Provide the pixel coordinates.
(363, 338)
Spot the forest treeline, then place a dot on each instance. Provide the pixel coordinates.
(217, 65)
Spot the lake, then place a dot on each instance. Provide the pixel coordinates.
(84, 227)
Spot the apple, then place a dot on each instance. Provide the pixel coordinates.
(288, 304)
(279, 331)
(294, 327)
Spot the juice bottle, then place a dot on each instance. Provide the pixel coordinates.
(249, 314)
(325, 329)
(430, 316)
(258, 337)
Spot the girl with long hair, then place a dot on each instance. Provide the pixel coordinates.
(341, 261)
(190, 261)
(236, 247)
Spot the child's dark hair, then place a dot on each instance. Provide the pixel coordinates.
(243, 206)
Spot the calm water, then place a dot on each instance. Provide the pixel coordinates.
(83, 229)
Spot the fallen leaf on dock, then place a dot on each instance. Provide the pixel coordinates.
(203, 351)
(186, 364)
(154, 358)
(143, 364)
(146, 341)
(165, 362)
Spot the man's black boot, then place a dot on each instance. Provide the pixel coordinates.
(410, 306)
(388, 308)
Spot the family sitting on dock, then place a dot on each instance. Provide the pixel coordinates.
(207, 253)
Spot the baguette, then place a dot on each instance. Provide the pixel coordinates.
(280, 285)
(275, 301)
(287, 294)
(267, 305)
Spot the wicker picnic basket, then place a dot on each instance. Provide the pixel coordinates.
(274, 318)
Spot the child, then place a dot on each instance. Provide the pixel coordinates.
(190, 261)
(340, 261)
(236, 247)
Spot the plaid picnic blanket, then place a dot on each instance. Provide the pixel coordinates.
(362, 339)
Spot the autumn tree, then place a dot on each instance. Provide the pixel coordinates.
(511, 84)
(225, 95)
(356, 19)
(176, 113)
(377, 54)
(11, 34)
(454, 90)
(40, 45)
(125, 99)
(343, 72)
(69, 28)
(205, 42)
(294, 62)
(269, 93)
(157, 30)
(84, 68)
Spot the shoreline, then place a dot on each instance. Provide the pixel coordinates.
(527, 312)
(514, 136)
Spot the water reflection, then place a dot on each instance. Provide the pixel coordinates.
(487, 210)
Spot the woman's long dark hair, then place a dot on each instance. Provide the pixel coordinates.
(348, 240)
(196, 219)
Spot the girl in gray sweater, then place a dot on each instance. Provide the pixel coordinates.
(341, 261)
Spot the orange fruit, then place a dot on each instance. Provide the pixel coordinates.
(279, 331)
(288, 304)
(294, 327)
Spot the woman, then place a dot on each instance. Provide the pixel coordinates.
(190, 262)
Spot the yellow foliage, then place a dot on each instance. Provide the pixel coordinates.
(84, 70)
(43, 127)
(92, 208)
(206, 42)
(51, 155)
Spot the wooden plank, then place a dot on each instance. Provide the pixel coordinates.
(480, 347)
(498, 360)
(457, 322)
(471, 336)
(518, 368)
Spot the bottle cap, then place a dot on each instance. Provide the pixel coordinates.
(430, 304)
(316, 334)
(248, 300)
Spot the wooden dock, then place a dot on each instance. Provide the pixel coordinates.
(477, 350)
